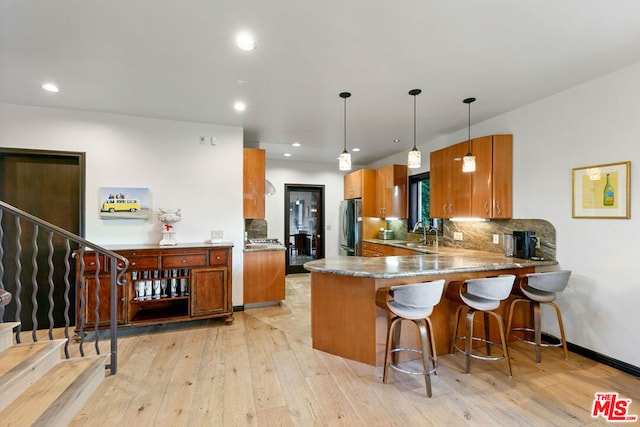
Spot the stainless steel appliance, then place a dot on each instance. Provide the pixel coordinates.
(524, 244)
(350, 234)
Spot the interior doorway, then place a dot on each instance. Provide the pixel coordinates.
(49, 185)
(303, 225)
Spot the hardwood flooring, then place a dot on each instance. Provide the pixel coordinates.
(262, 371)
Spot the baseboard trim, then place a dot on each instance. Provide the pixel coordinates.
(606, 360)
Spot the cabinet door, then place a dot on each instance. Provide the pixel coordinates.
(104, 310)
(210, 291)
(482, 181)
(254, 182)
(438, 200)
(460, 182)
(502, 176)
(352, 185)
(391, 191)
(264, 276)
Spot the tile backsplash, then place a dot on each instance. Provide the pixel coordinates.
(479, 235)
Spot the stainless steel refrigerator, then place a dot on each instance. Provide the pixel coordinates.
(350, 237)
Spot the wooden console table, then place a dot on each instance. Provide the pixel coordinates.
(163, 284)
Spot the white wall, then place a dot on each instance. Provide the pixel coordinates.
(281, 172)
(591, 124)
(162, 155)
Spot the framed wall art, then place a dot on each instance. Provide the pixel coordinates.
(124, 203)
(601, 191)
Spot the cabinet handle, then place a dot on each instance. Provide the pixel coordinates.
(498, 208)
(218, 257)
(450, 208)
(132, 264)
(486, 208)
(184, 261)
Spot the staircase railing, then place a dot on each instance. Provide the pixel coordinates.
(12, 254)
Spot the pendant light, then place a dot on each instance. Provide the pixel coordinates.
(413, 157)
(469, 161)
(344, 159)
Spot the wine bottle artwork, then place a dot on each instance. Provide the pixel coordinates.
(608, 198)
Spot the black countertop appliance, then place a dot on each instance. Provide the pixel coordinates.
(524, 243)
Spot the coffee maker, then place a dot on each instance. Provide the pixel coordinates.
(524, 244)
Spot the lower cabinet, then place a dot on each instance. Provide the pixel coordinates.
(162, 285)
(263, 276)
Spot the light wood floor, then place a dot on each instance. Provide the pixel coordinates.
(262, 371)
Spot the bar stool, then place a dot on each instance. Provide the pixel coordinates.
(413, 302)
(480, 295)
(540, 288)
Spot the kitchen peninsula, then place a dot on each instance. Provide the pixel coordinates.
(345, 320)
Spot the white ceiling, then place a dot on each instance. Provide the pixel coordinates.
(177, 60)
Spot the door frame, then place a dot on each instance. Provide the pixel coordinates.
(288, 188)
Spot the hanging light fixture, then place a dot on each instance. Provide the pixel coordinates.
(413, 157)
(344, 159)
(469, 160)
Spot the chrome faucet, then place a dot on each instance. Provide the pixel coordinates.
(424, 231)
(435, 242)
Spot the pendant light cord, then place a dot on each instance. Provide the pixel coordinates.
(414, 122)
(468, 101)
(345, 124)
(345, 95)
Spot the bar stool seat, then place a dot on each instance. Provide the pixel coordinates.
(480, 295)
(540, 288)
(413, 302)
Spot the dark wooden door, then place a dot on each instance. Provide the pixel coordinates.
(49, 185)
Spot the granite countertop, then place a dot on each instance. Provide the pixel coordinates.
(262, 247)
(447, 260)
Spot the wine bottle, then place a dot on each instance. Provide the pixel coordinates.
(608, 197)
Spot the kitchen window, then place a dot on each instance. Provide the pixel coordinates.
(419, 192)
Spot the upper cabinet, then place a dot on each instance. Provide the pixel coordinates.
(254, 182)
(391, 191)
(450, 187)
(485, 193)
(361, 184)
(491, 183)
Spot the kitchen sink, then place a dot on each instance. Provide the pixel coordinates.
(418, 247)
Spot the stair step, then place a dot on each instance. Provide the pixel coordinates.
(56, 398)
(6, 334)
(23, 364)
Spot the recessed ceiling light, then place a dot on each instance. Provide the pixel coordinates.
(295, 144)
(240, 106)
(396, 140)
(245, 41)
(50, 87)
(356, 149)
(287, 154)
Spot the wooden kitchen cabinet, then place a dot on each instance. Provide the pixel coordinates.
(491, 183)
(361, 184)
(450, 187)
(263, 276)
(163, 284)
(485, 193)
(391, 191)
(254, 183)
